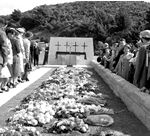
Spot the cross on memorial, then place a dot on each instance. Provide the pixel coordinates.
(70, 49)
(66, 46)
(84, 46)
(75, 45)
(57, 46)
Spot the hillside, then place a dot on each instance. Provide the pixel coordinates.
(97, 19)
(63, 19)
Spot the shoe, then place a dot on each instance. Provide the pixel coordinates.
(20, 81)
(9, 85)
(143, 89)
(27, 79)
(1, 91)
(14, 85)
(5, 88)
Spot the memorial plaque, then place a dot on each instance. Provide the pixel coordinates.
(70, 51)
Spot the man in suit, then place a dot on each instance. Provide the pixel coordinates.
(36, 54)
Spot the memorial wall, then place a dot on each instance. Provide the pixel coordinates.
(70, 51)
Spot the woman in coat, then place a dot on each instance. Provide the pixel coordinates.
(16, 60)
(7, 71)
(21, 32)
(123, 67)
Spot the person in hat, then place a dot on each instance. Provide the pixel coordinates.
(37, 51)
(142, 66)
(4, 51)
(33, 43)
(106, 58)
(21, 30)
(16, 71)
(27, 43)
(7, 83)
(22, 53)
(123, 67)
(120, 51)
(46, 54)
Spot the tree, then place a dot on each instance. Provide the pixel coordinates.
(42, 14)
(28, 22)
(16, 15)
(2, 20)
(123, 20)
(147, 18)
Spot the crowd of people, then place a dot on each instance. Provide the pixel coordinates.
(18, 54)
(132, 62)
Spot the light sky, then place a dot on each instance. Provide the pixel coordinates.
(8, 6)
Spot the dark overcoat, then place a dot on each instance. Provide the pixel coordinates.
(140, 76)
(4, 51)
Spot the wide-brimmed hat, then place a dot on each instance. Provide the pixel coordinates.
(28, 34)
(11, 30)
(145, 34)
(21, 30)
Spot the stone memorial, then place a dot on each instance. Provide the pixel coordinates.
(70, 51)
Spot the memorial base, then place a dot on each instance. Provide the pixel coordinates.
(69, 65)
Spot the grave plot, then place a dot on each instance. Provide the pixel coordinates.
(73, 102)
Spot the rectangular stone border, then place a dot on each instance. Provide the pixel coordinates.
(136, 101)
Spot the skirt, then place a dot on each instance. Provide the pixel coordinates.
(16, 66)
(21, 62)
(5, 72)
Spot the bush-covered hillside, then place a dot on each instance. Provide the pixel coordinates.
(103, 20)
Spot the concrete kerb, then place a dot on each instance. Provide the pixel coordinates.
(136, 101)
